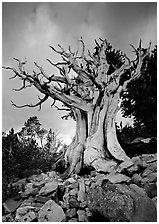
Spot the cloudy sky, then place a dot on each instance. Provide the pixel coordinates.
(29, 28)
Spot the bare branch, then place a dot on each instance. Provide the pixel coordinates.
(65, 109)
(54, 101)
(141, 54)
(23, 87)
(31, 105)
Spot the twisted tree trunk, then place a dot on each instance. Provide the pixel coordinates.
(92, 95)
(96, 144)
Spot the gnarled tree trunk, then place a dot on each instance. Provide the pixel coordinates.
(92, 96)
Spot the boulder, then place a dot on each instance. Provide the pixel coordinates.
(136, 179)
(51, 212)
(42, 199)
(82, 216)
(149, 158)
(10, 205)
(81, 192)
(29, 190)
(73, 203)
(155, 200)
(49, 188)
(73, 191)
(25, 214)
(117, 178)
(73, 220)
(8, 218)
(20, 183)
(71, 213)
(124, 165)
(121, 203)
(151, 189)
(27, 202)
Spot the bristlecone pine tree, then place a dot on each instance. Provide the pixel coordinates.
(91, 93)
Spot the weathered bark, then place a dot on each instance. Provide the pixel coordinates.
(74, 154)
(96, 144)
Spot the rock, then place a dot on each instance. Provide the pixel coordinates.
(51, 212)
(37, 205)
(139, 190)
(83, 204)
(81, 192)
(105, 166)
(20, 183)
(27, 202)
(152, 168)
(48, 188)
(88, 212)
(73, 185)
(52, 174)
(136, 160)
(93, 173)
(151, 189)
(10, 205)
(120, 203)
(155, 200)
(71, 180)
(148, 158)
(117, 178)
(87, 182)
(136, 179)
(73, 191)
(39, 184)
(25, 214)
(8, 218)
(71, 213)
(82, 216)
(66, 200)
(42, 199)
(30, 191)
(133, 169)
(150, 178)
(99, 178)
(73, 203)
(73, 220)
(124, 165)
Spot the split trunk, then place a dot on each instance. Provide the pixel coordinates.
(95, 143)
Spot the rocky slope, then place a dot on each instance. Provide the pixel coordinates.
(126, 194)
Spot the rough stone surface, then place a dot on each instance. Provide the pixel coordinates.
(155, 200)
(27, 202)
(120, 203)
(42, 199)
(117, 178)
(82, 216)
(51, 212)
(10, 205)
(136, 179)
(102, 166)
(126, 194)
(149, 157)
(25, 214)
(124, 165)
(30, 191)
(71, 213)
(48, 188)
(151, 189)
(81, 193)
(8, 218)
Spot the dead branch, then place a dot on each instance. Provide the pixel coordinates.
(33, 105)
(141, 54)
